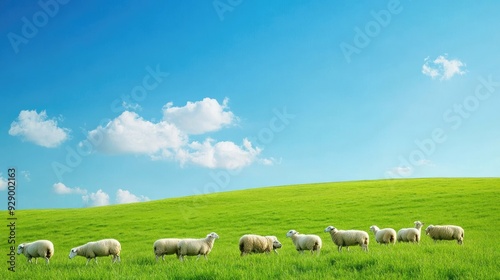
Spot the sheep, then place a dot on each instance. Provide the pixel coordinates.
(303, 242)
(101, 248)
(37, 249)
(193, 247)
(346, 238)
(165, 246)
(252, 243)
(410, 234)
(448, 232)
(385, 235)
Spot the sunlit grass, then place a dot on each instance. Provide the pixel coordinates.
(471, 203)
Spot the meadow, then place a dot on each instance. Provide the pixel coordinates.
(473, 203)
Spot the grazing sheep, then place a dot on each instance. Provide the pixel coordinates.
(165, 246)
(95, 249)
(252, 243)
(37, 249)
(193, 247)
(303, 242)
(410, 234)
(346, 238)
(385, 235)
(448, 232)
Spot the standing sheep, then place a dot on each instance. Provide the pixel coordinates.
(37, 249)
(385, 235)
(165, 246)
(448, 232)
(410, 234)
(95, 249)
(193, 247)
(346, 238)
(303, 242)
(252, 243)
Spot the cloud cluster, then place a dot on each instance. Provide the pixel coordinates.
(99, 198)
(37, 128)
(168, 138)
(442, 68)
(199, 117)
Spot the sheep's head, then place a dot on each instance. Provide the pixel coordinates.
(73, 253)
(276, 244)
(418, 224)
(330, 229)
(291, 233)
(20, 249)
(428, 229)
(213, 235)
(374, 228)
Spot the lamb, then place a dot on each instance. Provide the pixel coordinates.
(37, 249)
(410, 234)
(252, 243)
(303, 242)
(193, 247)
(385, 235)
(95, 249)
(165, 246)
(448, 232)
(346, 238)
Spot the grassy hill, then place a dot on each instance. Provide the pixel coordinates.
(472, 203)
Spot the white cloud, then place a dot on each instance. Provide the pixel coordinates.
(399, 171)
(98, 198)
(37, 128)
(130, 133)
(442, 68)
(124, 196)
(199, 117)
(223, 154)
(168, 139)
(60, 188)
(3, 183)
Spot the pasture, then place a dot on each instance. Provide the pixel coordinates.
(473, 203)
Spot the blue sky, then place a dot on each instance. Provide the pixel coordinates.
(117, 102)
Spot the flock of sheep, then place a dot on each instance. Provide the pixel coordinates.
(249, 243)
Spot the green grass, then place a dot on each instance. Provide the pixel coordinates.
(469, 202)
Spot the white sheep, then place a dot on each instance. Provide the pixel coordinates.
(448, 232)
(196, 247)
(100, 248)
(385, 235)
(165, 246)
(37, 249)
(410, 234)
(303, 242)
(252, 243)
(346, 238)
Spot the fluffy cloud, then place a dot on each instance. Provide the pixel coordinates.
(442, 68)
(124, 196)
(223, 154)
(3, 183)
(98, 198)
(169, 138)
(199, 117)
(60, 188)
(129, 133)
(37, 128)
(399, 171)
